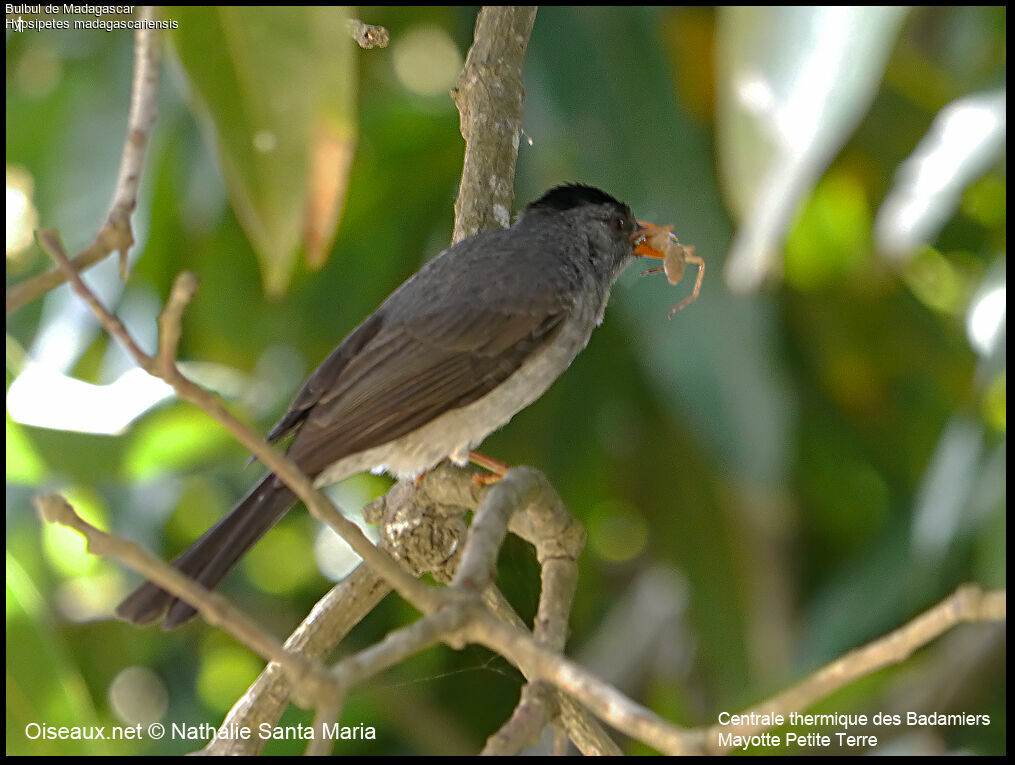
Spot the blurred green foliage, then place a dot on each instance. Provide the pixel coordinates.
(771, 453)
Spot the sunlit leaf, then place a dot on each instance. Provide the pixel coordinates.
(226, 671)
(47, 398)
(282, 561)
(333, 140)
(966, 139)
(935, 281)
(987, 315)
(333, 149)
(832, 235)
(793, 84)
(23, 463)
(43, 684)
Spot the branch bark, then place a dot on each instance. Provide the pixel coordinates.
(489, 96)
(368, 36)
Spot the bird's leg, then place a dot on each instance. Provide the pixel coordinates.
(497, 469)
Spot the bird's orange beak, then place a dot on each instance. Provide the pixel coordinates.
(651, 240)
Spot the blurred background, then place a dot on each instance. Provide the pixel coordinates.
(807, 456)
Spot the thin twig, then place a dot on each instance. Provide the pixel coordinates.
(535, 708)
(49, 241)
(582, 727)
(143, 109)
(325, 714)
(116, 234)
(171, 319)
(538, 516)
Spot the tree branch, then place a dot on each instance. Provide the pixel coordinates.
(489, 96)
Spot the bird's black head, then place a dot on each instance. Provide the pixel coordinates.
(574, 195)
(604, 227)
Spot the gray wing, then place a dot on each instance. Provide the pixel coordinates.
(402, 380)
(400, 369)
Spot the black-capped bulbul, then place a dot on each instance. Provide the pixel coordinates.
(479, 333)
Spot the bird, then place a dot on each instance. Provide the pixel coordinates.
(475, 336)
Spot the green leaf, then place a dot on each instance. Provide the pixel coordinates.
(832, 236)
(24, 465)
(44, 687)
(275, 85)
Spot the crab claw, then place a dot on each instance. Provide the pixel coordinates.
(651, 240)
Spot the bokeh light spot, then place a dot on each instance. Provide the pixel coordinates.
(137, 695)
(22, 217)
(427, 61)
(281, 562)
(226, 672)
(617, 531)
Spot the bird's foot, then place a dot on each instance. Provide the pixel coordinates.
(497, 470)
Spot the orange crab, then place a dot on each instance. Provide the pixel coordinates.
(661, 243)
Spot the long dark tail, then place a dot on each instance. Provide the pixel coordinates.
(213, 555)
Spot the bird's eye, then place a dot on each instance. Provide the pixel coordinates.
(619, 223)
